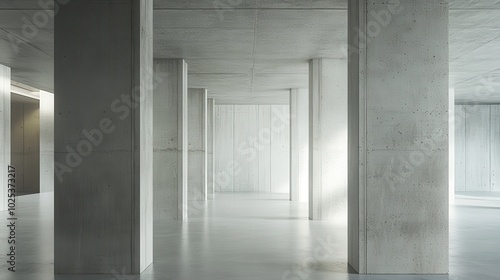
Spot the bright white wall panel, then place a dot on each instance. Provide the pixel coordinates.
(4, 131)
(299, 145)
(265, 153)
(280, 149)
(246, 148)
(252, 148)
(477, 148)
(210, 147)
(46, 141)
(495, 147)
(460, 123)
(224, 125)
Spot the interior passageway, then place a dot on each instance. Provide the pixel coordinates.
(224, 241)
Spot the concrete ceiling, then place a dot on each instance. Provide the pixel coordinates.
(474, 51)
(255, 50)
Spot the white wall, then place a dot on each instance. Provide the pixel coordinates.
(210, 148)
(46, 141)
(477, 148)
(252, 148)
(299, 145)
(4, 132)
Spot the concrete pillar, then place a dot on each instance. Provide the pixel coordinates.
(170, 140)
(451, 145)
(46, 141)
(398, 136)
(210, 148)
(299, 145)
(4, 132)
(328, 139)
(197, 156)
(103, 196)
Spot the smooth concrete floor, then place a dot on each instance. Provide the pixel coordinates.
(253, 236)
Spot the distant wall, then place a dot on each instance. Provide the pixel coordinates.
(252, 148)
(46, 141)
(25, 150)
(477, 148)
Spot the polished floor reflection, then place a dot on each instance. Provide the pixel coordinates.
(258, 237)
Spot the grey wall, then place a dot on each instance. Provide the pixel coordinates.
(25, 141)
(252, 148)
(477, 148)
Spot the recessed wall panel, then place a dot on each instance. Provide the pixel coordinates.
(477, 143)
(460, 124)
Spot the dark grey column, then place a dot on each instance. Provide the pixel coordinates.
(103, 137)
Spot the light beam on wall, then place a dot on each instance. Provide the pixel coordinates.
(24, 90)
(451, 144)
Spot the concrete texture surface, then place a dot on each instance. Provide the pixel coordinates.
(25, 144)
(170, 156)
(5, 130)
(224, 148)
(398, 126)
(210, 148)
(477, 137)
(258, 47)
(197, 144)
(299, 145)
(460, 165)
(328, 139)
(264, 158)
(226, 242)
(252, 147)
(103, 138)
(46, 141)
(280, 148)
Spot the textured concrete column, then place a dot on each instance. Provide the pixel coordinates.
(46, 141)
(170, 140)
(4, 132)
(103, 137)
(197, 137)
(398, 136)
(299, 145)
(328, 139)
(210, 148)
